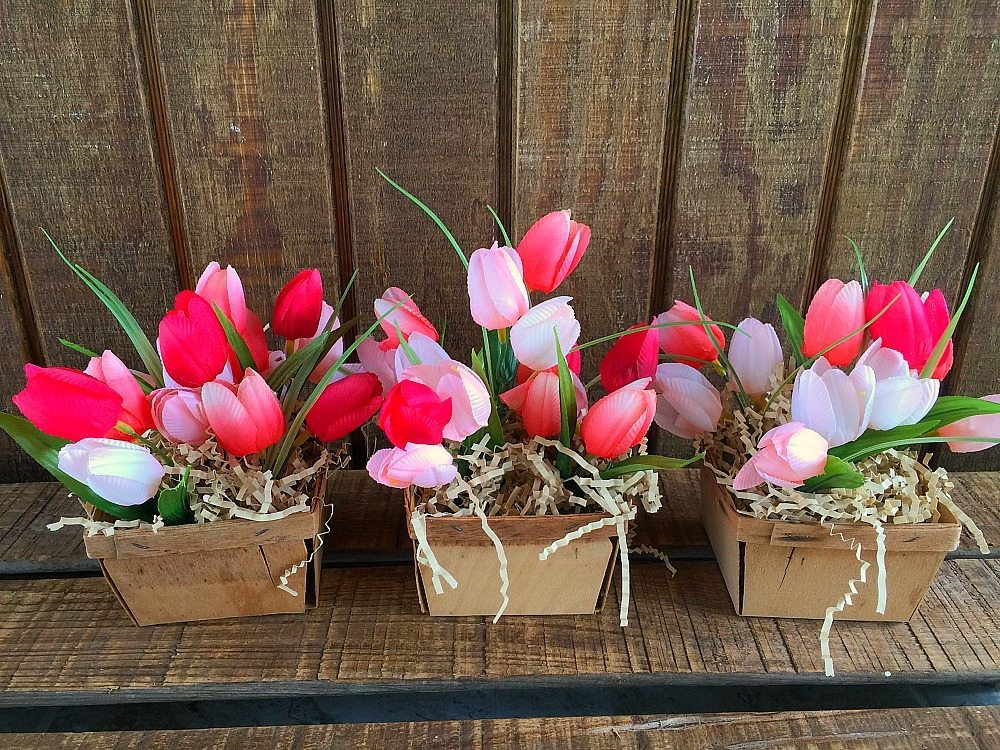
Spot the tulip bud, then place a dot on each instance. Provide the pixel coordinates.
(632, 357)
(344, 405)
(223, 287)
(135, 408)
(497, 295)
(533, 337)
(550, 250)
(786, 456)
(413, 413)
(192, 344)
(689, 343)
(121, 473)
(68, 404)
(299, 305)
(537, 402)
(981, 426)
(619, 421)
(911, 325)
(755, 354)
(245, 419)
(836, 310)
(179, 415)
(407, 317)
(415, 464)
(687, 403)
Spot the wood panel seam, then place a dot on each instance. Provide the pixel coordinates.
(507, 70)
(12, 260)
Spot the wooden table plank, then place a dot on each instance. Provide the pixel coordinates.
(66, 641)
(965, 728)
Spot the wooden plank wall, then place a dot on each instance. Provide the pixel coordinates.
(742, 139)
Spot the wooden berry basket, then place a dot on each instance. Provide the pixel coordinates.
(797, 569)
(572, 580)
(215, 570)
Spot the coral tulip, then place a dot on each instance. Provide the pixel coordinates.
(632, 357)
(786, 456)
(981, 426)
(537, 401)
(413, 413)
(550, 250)
(407, 317)
(122, 473)
(179, 415)
(690, 343)
(687, 403)
(344, 406)
(900, 397)
(836, 405)
(755, 354)
(245, 419)
(378, 358)
(497, 295)
(222, 286)
(414, 464)
(911, 325)
(135, 408)
(533, 337)
(837, 309)
(619, 421)
(452, 381)
(192, 344)
(573, 361)
(68, 404)
(299, 305)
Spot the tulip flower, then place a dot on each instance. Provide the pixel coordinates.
(378, 358)
(222, 286)
(786, 456)
(901, 398)
(497, 294)
(690, 343)
(981, 426)
(299, 305)
(687, 404)
(413, 413)
(120, 472)
(245, 419)
(573, 361)
(427, 351)
(911, 325)
(254, 337)
(452, 381)
(836, 310)
(632, 357)
(407, 317)
(755, 354)
(192, 344)
(619, 421)
(836, 405)
(336, 351)
(179, 415)
(550, 250)
(112, 371)
(414, 464)
(344, 405)
(68, 404)
(537, 402)
(533, 337)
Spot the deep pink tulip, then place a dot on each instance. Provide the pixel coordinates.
(414, 464)
(299, 305)
(256, 340)
(245, 419)
(550, 250)
(344, 406)
(135, 408)
(192, 344)
(407, 317)
(619, 421)
(497, 295)
(179, 415)
(911, 325)
(537, 402)
(982, 426)
(223, 287)
(632, 357)
(689, 343)
(413, 413)
(836, 310)
(786, 456)
(68, 404)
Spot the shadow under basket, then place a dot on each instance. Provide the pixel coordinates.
(572, 580)
(798, 569)
(214, 570)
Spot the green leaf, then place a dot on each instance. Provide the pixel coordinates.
(874, 441)
(948, 409)
(646, 463)
(405, 346)
(503, 231)
(343, 295)
(915, 276)
(45, 450)
(79, 349)
(837, 474)
(794, 325)
(494, 427)
(312, 352)
(861, 264)
(235, 339)
(567, 410)
(172, 502)
(942, 343)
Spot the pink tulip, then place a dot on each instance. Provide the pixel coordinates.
(836, 405)
(911, 325)
(981, 426)
(755, 354)
(336, 351)
(427, 351)
(416, 464)
(687, 404)
(690, 343)
(550, 250)
(900, 397)
(470, 398)
(632, 357)
(497, 294)
(68, 404)
(407, 317)
(135, 408)
(223, 287)
(344, 406)
(378, 358)
(179, 415)
(786, 456)
(245, 419)
(299, 305)
(619, 421)
(533, 337)
(120, 472)
(191, 343)
(836, 310)
(537, 402)
(573, 360)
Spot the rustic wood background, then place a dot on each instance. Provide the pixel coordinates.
(741, 138)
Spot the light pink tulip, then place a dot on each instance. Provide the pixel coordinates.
(687, 403)
(619, 421)
(836, 310)
(786, 456)
(420, 465)
(836, 405)
(470, 399)
(378, 358)
(900, 398)
(982, 426)
(179, 415)
(407, 317)
(223, 287)
(427, 351)
(537, 401)
(115, 374)
(550, 250)
(246, 419)
(755, 354)
(533, 337)
(885, 363)
(497, 294)
(122, 473)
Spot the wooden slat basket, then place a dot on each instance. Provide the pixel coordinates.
(797, 569)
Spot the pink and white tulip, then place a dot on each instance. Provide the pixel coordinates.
(470, 398)
(121, 473)
(420, 465)
(427, 351)
(689, 343)
(179, 415)
(223, 287)
(836, 405)
(755, 354)
(619, 421)
(533, 337)
(407, 317)
(786, 456)
(901, 398)
(336, 351)
(537, 402)
(245, 419)
(981, 426)
(379, 358)
(115, 374)
(497, 295)
(837, 309)
(687, 404)
(550, 250)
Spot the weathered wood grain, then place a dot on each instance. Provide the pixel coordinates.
(419, 85)
(244, 105)
(968, 728)
(78, 154)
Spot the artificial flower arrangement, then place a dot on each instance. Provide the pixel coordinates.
(813, 469)
(519, 484)
(203, 473)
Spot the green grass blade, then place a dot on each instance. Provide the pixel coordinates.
(567, 410)
(235, 340)
(79, 349)
(942, 343)
(646, 463)
(915, 276)
(861, 264)
(794, 325)
(503, 231)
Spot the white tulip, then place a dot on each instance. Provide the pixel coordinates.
(755, 354)
(836, 405)
(122, 473)
(533, 337)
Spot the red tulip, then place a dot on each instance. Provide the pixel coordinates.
(413, 413)
(551, 249)
(837, 309)
(135, 407)
(256, 341)
(537, 401)
(619, 421)
(299, 306)
(68, 404)
(192, 344)
(245, 419)
(688, 342)
(573, 361)
(632, 357)
(911, 325)
(344, 406)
